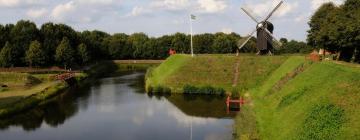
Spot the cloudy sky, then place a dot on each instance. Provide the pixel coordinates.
(159, 17)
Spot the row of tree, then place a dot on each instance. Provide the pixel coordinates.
(337, 29)
(23, 44)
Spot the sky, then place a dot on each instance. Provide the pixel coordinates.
(159, 17)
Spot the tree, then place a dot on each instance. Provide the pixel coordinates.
(180, 43)
(250, 47)
(351, 34)
(21, 36)
(84, 54)
(224, 44)
(137, 42)
(7, 57)
(118, 47)
(163, 45)
(283, 40)
(52, 35)
(35, 55)
(65, 53)
(203, 43)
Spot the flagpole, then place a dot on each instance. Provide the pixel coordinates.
(191, 35)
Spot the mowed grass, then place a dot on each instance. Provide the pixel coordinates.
(288, 97)
(321, 103)
(213, 70)
(13, 79)
(21, 85)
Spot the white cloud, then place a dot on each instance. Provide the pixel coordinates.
(170, 4)
(264, 8)
(302, 18)
(186, 120)
(212, 6)
(317, 3)
(227, 30)
(19, 3)
(61, 11)
(76, 11)
(138, 10)
(96, 2)
(36, 13)
(9, 3)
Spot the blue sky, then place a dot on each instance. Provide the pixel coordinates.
(159, 17)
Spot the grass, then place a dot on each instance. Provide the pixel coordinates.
(287, 97)
(213, 70)
(322, 102)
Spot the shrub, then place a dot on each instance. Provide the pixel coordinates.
(160, 89)
(188, 89)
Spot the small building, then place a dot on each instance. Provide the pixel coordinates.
(172, 52)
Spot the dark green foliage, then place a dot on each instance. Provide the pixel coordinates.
(188, 89)
(20, 36)
(159, 90)
(294, 47)
(36, 55)
(84, 54)
(181, 43)
(118, 47)
(334, 28)
(137, 41)
(224, 44)
(7, 55)
(65, 54)
(322, 123)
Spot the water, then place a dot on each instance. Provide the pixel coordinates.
(117, 108)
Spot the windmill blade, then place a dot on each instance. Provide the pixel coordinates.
(273, 37)
(247, 40)
(273, 11)
(248, 13)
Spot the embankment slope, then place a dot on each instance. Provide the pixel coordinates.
(290, 98)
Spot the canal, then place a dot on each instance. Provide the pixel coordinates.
(117, 108)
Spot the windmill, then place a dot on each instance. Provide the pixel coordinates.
(264, 31)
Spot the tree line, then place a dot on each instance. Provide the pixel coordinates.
(337, 29)
(23, 44)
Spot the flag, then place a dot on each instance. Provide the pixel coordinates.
(193, 17)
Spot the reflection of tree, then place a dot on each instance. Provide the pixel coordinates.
(54, 111)
(201, 105)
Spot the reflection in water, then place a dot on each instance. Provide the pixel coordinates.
(118, 108)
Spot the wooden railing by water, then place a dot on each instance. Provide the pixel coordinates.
(64, 76)
(238, 102)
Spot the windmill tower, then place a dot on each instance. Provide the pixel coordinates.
(264, 30)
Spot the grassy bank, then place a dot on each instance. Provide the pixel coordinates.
(286, 96)
(212, 70)
(322, 102)
(22, 93)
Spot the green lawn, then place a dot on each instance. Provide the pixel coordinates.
(322, 102)
(214, 70)
(287, 97)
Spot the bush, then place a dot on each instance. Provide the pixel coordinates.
(159, 89)
(188, 89)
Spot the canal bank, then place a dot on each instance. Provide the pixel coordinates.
(56, 87)
(117, 107)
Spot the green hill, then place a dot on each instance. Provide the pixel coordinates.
(287, 97)
(213, 70)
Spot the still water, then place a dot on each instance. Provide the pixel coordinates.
(117, 108)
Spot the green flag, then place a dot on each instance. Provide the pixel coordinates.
(193, 17)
